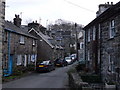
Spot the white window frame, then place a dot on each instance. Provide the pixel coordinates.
(33, 42)
(29, 59)
(112, 28)
(99, 28)
(88, 35)
(94, 33)
(19, 59)
(25, 61)
(81, 45)
(22, 40)
(88, 55)
(111, 64)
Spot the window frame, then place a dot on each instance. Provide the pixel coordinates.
(94, 33)
(19, 60)
(112, 29)
(111, 64)
(33, 42)
(88, 35)
(22, 39)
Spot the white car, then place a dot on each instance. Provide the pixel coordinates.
(68, 59)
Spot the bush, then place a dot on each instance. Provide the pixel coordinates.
(80, 67)
(71, 70)
(31, 67)
(19, 70)
(91, 78)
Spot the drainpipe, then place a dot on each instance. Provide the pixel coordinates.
(9, 72)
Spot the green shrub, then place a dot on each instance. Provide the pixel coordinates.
(31, 67)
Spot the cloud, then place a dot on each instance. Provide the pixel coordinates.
(54, 9)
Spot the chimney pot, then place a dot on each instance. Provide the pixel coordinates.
(111, 3)
(108, 3)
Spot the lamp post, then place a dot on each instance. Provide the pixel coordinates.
(76, 42)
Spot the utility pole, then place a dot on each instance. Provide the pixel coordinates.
(76, 42)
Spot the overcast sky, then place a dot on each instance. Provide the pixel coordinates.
(47, 11)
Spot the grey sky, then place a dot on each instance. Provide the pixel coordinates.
(81, 11)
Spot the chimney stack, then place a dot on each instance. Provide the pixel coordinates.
(111, 3)
(17, 20)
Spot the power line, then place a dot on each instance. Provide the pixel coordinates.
(79, 6)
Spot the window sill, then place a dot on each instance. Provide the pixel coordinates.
(22, 43)
(110, 39)
(33, 44)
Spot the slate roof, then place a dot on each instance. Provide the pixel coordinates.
(113, 10)
(9, 26)
(44, 37)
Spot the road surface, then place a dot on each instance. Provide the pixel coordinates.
(54, 79)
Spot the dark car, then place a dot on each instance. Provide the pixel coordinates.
(60, 62)
(45, 66)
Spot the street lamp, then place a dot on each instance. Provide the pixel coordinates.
(76, 42)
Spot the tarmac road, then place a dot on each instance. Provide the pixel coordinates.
(54, 79)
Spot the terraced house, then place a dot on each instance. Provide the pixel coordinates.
(102, 43)
(19, 48)
(45, 48)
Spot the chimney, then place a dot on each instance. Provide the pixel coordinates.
(17, 20)
(108, 3)
(111, 3)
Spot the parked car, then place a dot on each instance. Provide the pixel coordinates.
(45, 66)
(69, 60)
(60, 62)
(73, 57)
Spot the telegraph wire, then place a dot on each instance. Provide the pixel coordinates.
(79, 6)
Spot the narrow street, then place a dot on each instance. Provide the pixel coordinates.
(54, 79)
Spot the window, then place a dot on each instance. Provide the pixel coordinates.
(33, 43)
(19, 60)
(33, 58)
(81, 45)
(29, 58)
(88, 55)
(99, 30)
(112, 28)
(111, 64)
(22, 40)
(5, 36)
(25, 62)
(88, 35)
(94, 32)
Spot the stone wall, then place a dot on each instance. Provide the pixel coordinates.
(25, 50)
(2, 16)
(110, 48)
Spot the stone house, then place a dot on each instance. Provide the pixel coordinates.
(19, 48)
(81, 46)
(45, 50)
(102, 44)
